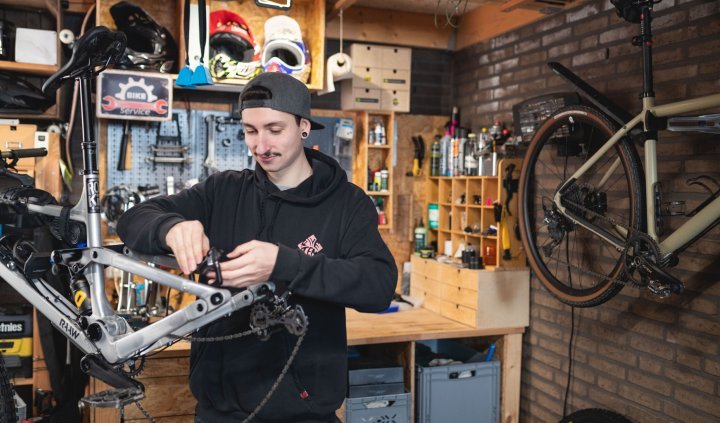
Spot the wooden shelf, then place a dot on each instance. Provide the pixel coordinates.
(21, 381)
(378, 193)
(380, 146)
(28, 68)
(441, 188)
(384, 226)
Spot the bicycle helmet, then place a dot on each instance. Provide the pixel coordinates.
(233, 51)
(284, 50)
(19, 96)
(149, 44)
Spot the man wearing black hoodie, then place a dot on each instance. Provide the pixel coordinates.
(295, 221)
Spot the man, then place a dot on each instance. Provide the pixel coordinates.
(295, 221)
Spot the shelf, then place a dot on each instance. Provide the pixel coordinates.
(20, 381)
(476, 206)
(379, 146)
(377, 193)
(28, 68)
(384, 226)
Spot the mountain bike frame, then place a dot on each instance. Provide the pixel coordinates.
(106, 338)
(653, 118)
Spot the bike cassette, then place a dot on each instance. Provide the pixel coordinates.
(275, 312)
(113, 398)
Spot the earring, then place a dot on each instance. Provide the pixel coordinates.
(304, 134)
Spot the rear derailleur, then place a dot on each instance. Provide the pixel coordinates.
(270, 316)
(644, 267)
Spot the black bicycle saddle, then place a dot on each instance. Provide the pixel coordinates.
(98, 47)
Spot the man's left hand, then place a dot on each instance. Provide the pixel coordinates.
(250, 263)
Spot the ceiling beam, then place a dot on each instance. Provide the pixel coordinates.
(339, 5)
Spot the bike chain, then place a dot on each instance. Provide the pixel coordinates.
(238, 335)
(631, 230)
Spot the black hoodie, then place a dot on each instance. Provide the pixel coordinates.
(331, 256)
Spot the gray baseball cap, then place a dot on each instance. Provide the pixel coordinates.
(287, 94)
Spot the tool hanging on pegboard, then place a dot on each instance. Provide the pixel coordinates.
(168, 149)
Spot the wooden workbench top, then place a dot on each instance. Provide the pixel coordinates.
(371, 328)
(414, 325)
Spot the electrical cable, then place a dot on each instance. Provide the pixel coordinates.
(572, 321)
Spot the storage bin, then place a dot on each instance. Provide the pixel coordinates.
(363, 410)
(459, 393)
(375, 375)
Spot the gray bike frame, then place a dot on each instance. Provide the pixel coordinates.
(113, 338)
(691, 228)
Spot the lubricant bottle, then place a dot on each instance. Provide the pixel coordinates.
(420, 236)
(435, 157)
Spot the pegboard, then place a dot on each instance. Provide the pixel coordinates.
(230, 149)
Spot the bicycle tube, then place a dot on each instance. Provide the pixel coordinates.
(548, 146)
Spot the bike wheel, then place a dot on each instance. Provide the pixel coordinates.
(595, 415)
(7, 399)
(576, 265)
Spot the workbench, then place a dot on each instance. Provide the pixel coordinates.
(168, 397)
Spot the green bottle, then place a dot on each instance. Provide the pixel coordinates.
(435, 158)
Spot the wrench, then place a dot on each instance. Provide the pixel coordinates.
(210, 163)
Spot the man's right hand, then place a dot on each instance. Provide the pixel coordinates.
(188, 243)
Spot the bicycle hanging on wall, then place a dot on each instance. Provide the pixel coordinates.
(591, 217)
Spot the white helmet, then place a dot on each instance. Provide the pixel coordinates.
(284, 50)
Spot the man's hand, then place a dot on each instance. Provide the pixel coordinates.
(250, 263)
(188, 243)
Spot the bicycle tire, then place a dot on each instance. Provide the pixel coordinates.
(7, 399)
(571, 135)
(595, 415)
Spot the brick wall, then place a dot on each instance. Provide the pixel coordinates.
(653, 360)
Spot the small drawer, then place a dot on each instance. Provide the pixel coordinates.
(366, 55)
(367, 77)
(450, 275)
(360, 98)
(457, 295)
(396, 57)
(459, 313)
(396, 79)
(395, 100)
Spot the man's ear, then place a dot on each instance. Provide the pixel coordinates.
(304, 125)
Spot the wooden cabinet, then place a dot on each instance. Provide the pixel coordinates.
(466, 211)
(373, 159)
(381, 79)
(49, 17)
(484, 299)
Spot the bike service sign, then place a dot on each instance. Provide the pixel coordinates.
(134, 95)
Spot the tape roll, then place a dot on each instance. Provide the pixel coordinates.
(339, 67)
(66, 36)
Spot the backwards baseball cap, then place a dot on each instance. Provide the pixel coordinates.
(286, 94)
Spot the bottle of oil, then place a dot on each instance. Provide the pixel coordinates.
(420, 237)
(435, 158)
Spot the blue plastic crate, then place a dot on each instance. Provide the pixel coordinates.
(380, 409)
(458, 393)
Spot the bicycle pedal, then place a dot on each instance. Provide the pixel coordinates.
(113, 398)
(674, 208)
